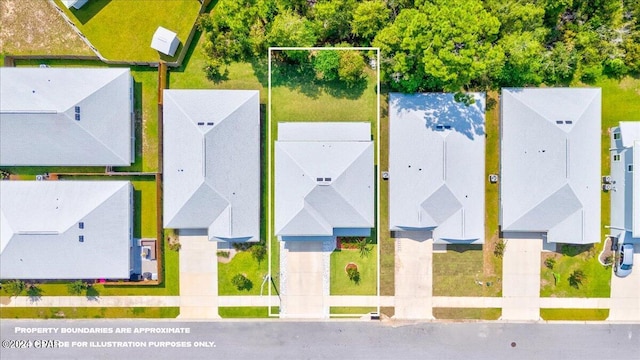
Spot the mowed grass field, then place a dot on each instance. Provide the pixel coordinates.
(122, 30)
(367, 266)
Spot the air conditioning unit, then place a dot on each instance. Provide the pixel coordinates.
(606, 179)
(39, 177)
(606, 187)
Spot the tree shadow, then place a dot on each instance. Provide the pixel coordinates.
(92, 293)
(442, 112)
(89, 10)
(34, 293)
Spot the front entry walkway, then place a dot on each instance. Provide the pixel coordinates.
(414, 276)
(625, 293)
(198, 278)
(303, 275)
(521, 280)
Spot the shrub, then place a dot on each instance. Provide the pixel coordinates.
(364, 248)
(223, 254)
(499, 248)
(15, 287)
(550, 263)
(76, 287)
(576, 278)
(258, 252)
(241, 282)
(34, 292)
(175, 246)
(353, 274)
(241, 246)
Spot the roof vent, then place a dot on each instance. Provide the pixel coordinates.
(81, 238)
(201, 124)
(568, 122)
(210, 123)
(323, 181)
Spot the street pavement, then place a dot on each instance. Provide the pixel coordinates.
(413, 271)
(318, 340)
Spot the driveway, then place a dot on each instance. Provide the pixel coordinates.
(625, 293)
(198, 278)
(521, 279)
(414, 276)
(303, 275)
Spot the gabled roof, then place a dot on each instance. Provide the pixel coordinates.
(625, 193)
(165, 41)
(550, 167)
(41, 225)
(66, 117)
(324, 179)
(436, 166)
(212, 162)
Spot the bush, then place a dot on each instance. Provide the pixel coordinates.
(364, 248)
(223, 254)
(353, 274)
(76, 287)
(576, 278)
(14, 287)
(241, 282)
(34, 292)
(550, 263)
(175, 246)
(258, 252)
(499, 248)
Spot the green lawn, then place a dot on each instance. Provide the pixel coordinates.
(122, 30)
(387, 243)
(367, 266)
(242, 263)
(455, 273)
(244, 312)
(145, 212)
(88, 313)
(493, 264)
(598, 278)
(467, 313)
(354, 310)
(574, 314)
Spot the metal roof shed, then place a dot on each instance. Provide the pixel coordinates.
(165, 41)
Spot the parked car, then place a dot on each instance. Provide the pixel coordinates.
(624, 260)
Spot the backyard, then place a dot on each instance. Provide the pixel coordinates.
(122, 30)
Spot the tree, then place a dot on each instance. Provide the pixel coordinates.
(15, 287)
(442, 45)
(34, 292)
(351, 66)
(326, 64)
(258, 252)
(550, 263)
(77, 287)
(369, 18)
(290, 29)
(334, 18)
(364, 248)
(523, 60)
(576, 278)
(353, 274)
(559, 64)
(241, 282)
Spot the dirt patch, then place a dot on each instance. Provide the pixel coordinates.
(5, 300)
(226, 259)
(35, 27)
(350, 266)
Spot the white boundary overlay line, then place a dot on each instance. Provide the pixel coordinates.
(269, 172)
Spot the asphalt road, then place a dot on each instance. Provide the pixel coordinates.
(315, 340)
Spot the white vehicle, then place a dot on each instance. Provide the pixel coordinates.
(624, 260)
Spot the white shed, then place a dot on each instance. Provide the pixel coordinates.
(165, 41)
(76, 4)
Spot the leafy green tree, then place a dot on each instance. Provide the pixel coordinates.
(241, 282)
(443, 45)
(369, 18)
(14, 287)
(517, 16)
(77, 287)
(351, 66)
(334, 18)
(290, 29)
(258, 252)
(326, 64)
(523, 60)
(353, 274)
(364, 248)
(559, 64)
(34, 292)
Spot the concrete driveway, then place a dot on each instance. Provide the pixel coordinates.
(521, 279)
(414, 276)
(625, 293)
(198, 278)
(303, 275)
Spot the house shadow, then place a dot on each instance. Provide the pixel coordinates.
(89, 10)
(442, 112)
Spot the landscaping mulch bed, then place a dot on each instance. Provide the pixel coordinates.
(607, 254)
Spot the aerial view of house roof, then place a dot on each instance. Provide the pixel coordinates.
(550, 163)
(65, 229)
(436, 166)
(324, 180)
(212, 162)
(66, 117)
(625, 182)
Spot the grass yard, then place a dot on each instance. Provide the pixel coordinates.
(387, 244)
(242, 263)
(367, 266)
(244, 312)
(355, 310)
(456, 271)
(145, 212)
(467, 313)
(122, 30)
(597, 282)
(34, 27)
(89, 313)
(574, 314)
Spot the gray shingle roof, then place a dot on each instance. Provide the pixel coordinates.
(41, 225)
(212, 162)
(550, 163)
(436, 166)
(66, 117)
(324, 178)
(625, 195)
